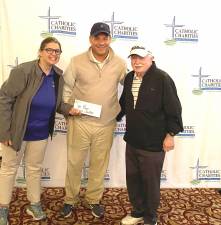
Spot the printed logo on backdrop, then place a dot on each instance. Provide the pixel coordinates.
(203, 173)
(163, 177)
(45, 174)
(60, 126)
(188, 132)
(21, 177)
(181, 33)
(120, 128)
(120, 30)
(206, 82)
(56, 25)
(84, 176)
(15, 64)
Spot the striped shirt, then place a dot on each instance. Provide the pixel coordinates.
(135, 87)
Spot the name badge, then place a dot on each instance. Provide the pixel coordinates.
(88, 108)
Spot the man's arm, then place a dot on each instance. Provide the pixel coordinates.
(69, 81)
(122, 105)
(123, 73)
(172, 107)
(173, 112)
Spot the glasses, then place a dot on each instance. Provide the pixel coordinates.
(51, 51)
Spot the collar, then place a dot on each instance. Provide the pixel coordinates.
(137, 77)
(98, 62)
(108, 58)
(54, 68)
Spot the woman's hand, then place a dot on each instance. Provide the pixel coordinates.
(7, 143)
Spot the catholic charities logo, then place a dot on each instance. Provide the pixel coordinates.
(206, 82)
(203, 173)
(120, 128)
(180, 33)
(45, 174)
(119, 30)
(84, 175)
(188, 132)
(163, 176)
(58, 26)
(60, 125)
(21, 175)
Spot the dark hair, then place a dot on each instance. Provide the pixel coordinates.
(49, 40)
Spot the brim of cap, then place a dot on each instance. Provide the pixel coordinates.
(139, 52)
(99, 32)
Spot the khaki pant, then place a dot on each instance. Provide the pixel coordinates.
(33, 152)
(84, 135)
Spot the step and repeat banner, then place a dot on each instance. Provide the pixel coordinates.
(185, 40)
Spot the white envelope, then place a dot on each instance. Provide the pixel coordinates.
(88, 108)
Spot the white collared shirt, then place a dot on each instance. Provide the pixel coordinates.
(99, 64)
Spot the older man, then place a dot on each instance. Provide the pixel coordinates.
(153, 117)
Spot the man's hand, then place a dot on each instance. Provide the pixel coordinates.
(74, 112)
(168, 143)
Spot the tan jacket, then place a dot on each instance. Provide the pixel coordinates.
(85, 81)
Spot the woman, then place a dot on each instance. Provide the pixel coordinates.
(29, 100)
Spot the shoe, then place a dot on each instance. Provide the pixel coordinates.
(96, 210)
(153, 221)
(35, 210)
(3, 216)
(67, 210)
(130, 220)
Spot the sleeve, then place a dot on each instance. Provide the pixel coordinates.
(9, 91)
(172, 107)
(122, 105)
(63, 108)
(123, 73)
(69, 81)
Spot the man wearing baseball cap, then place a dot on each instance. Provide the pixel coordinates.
(153, 117)
(91, 77)
(99, 28)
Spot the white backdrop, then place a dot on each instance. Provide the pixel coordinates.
(185, 39)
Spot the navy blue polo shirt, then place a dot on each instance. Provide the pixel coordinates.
(42, 108)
